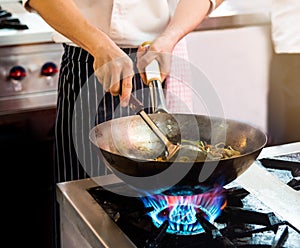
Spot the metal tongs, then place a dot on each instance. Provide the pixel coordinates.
(153, 77)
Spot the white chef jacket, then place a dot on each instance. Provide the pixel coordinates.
(285, 20)
(127, 22)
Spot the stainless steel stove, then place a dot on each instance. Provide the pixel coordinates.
(29, 60)
(29, 64)
(92, 216)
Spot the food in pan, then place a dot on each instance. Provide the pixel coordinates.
(209, 151)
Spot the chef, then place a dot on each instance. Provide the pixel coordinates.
(101, 39)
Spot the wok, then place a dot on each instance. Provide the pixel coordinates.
(130, 149)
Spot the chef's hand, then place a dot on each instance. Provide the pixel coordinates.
(112, 67)
(161, 50)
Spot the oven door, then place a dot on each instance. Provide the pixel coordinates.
(26, 145)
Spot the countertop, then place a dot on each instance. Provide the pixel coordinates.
(230, 14)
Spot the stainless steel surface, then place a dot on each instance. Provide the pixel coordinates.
(96, 228)
(279, 150)
(34, 91)
(23, 55)
(284, 201)
(236, 13)
(157, 97)
(39, 101)
(234, 21)
(80, 212)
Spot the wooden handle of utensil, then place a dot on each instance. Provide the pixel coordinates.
(135, 104)
(138, 108)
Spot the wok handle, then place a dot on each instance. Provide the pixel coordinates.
(154, 81)
(156, 94)
(135, 104)
(157, 97)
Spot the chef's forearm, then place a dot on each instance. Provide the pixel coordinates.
(65, 17)
(188, 15)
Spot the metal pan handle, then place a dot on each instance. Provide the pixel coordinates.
(153, 77)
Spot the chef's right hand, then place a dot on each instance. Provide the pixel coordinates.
(112, 68)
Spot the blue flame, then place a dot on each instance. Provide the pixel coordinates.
(181, 211)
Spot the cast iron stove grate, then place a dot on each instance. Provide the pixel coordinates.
(8, 21)
(237, 226)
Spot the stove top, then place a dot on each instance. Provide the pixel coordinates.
(107, 219)
(19, 27)
(244, 222)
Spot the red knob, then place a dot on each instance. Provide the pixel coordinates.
(17, 73)
(49, 69)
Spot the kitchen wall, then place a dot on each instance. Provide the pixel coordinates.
(235, 60)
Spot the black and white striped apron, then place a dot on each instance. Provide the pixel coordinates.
(81, 105)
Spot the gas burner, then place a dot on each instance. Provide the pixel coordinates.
(7, 21)
(235, 225)
(180, 210)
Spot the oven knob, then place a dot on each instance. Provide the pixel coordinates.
(16, 74)
(49, 69)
